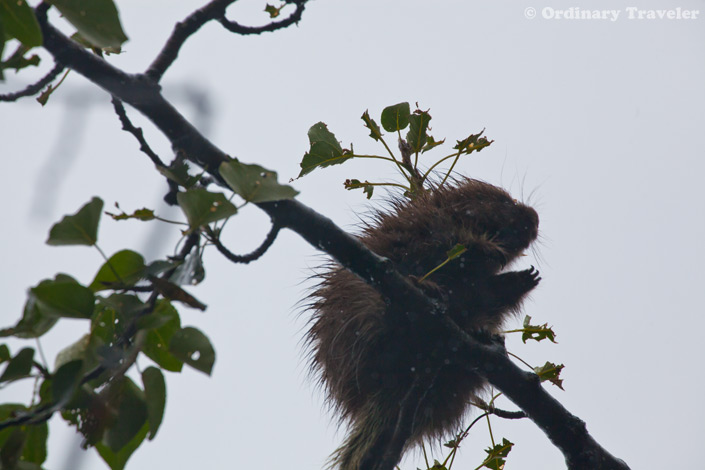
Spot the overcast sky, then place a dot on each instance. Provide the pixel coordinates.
(599, 120)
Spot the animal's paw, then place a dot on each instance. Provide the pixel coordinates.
(530, 278)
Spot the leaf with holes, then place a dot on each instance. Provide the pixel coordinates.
(418, 128)
(550, 372)
(254, 183)
(325, 150)
(194, 348)
(375, 131)
(203, 207)
(496, 456)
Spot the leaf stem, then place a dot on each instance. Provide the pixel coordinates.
(455, 154)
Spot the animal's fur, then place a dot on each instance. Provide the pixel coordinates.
(368, 359)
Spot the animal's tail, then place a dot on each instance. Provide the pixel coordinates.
(365, 446)
(376, 441)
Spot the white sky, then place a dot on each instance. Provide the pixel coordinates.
(600, 121)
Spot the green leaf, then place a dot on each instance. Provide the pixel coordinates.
(96, 50)
(143, 214)
(131, 415)
(537, 332)
(80, 228)
(34, 322)
(396, 117)
(431, 143)
(272, 10)
(123, 269)
(156, 346)
(456, 251)
(12, 449)
(72, 352)
(550, 372)
(173, 292)
(194, 348)
(178, 173)
(35, 447)
(44, 96)
(63, 297)
(202, 207)
(418, 128)
(46, 303)
(190, 271)
(325, 150)
(254, 183)
(19, 366)
(65, 382)
(97, 20)
(155, 268)
(155, 395)
(4, 353)
(375, 131)
(2, 51)
(472, 143)
(17, 61)
(117, 460)
(18, 21)
(367, 187)
(496, 455)
(8, 411)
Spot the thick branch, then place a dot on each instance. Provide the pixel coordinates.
(523, 388)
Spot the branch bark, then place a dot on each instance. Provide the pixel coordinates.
(142, 92)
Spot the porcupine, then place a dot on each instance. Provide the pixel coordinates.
(367, 357)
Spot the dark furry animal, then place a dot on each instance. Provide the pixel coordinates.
(369, 357)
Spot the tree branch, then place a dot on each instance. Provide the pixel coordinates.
(135, 131)
(35, 88)
(139, 91)
(182, 31)
(248, 258)
(566, 431)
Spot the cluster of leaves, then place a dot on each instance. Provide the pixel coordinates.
(129, 312)
(325, 150)
(96, 21)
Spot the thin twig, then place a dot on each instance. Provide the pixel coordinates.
(256, 254)
(136, 131)
(182, 31)
(35, 88)
(507, 414)
(238, 28)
